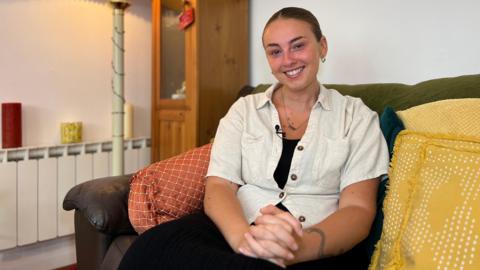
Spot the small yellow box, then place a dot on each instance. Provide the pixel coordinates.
(71, 132)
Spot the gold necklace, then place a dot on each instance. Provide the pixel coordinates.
(290, 123)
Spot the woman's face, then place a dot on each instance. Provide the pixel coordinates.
(293, 53)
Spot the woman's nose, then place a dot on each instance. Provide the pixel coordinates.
(288, 58)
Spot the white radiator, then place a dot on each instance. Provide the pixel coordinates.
(34, 181)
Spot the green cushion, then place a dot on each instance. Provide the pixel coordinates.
(377, 96)
(390, 125)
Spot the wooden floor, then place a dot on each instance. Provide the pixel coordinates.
(49, 254)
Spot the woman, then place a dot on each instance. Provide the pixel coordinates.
(293, 172)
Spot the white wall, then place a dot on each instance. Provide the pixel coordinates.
(383, 40)
(55, 58)
(55, 54)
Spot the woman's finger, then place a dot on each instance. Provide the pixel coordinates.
(247, 252)
(273, 219)
(296, 225)
(278, 262)
(271, 210)
(274, 233)
(256, 248)
(286, 216)
(277, 250)
(268, 249)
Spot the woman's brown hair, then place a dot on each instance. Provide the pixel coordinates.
(299, 14)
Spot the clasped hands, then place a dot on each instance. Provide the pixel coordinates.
(274, 237)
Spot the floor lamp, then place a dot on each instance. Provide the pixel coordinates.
(118, 101)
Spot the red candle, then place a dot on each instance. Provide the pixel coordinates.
(11, 125)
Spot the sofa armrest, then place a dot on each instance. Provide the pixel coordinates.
(103, 202)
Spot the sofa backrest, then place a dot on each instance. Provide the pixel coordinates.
(402, 96)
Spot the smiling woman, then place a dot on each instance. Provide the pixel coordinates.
(294, 43)
(281, 201)
(294, 48)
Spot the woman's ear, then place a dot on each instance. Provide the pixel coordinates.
(323, 47)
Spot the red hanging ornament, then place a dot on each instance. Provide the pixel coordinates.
(187, 17)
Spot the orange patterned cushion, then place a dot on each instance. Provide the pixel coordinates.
(168, 189)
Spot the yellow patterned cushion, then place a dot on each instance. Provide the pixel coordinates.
(451, 116)
(432, 207)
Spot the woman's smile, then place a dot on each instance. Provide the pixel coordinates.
(294, 73)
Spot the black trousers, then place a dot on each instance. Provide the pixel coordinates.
(194, 242)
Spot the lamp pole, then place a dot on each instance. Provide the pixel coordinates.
(117, 86)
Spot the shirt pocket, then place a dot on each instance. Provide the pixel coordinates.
(329, 163)
(253, 159)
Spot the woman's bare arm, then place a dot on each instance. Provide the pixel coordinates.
(345, 228)
(224, 209)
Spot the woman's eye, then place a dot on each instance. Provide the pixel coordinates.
(297, 46)
(274, 52)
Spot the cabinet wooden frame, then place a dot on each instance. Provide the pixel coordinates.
(216, 67)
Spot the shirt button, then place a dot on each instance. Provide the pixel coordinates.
(281, 195)
(293, 177)
(300, 148)
(301, 218)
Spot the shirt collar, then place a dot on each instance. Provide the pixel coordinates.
(266, 97)
(324, 97)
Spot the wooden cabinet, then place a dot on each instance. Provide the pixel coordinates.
(210, 56)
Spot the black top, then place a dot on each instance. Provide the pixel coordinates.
(281, 172)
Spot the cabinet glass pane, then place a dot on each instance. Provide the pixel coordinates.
(172, 52)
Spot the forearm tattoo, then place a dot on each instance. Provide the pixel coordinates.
(321, 247)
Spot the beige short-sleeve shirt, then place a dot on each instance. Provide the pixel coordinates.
(342, 145)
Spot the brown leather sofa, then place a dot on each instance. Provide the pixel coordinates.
(103, 231)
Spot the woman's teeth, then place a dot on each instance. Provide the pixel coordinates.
(293, 73)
